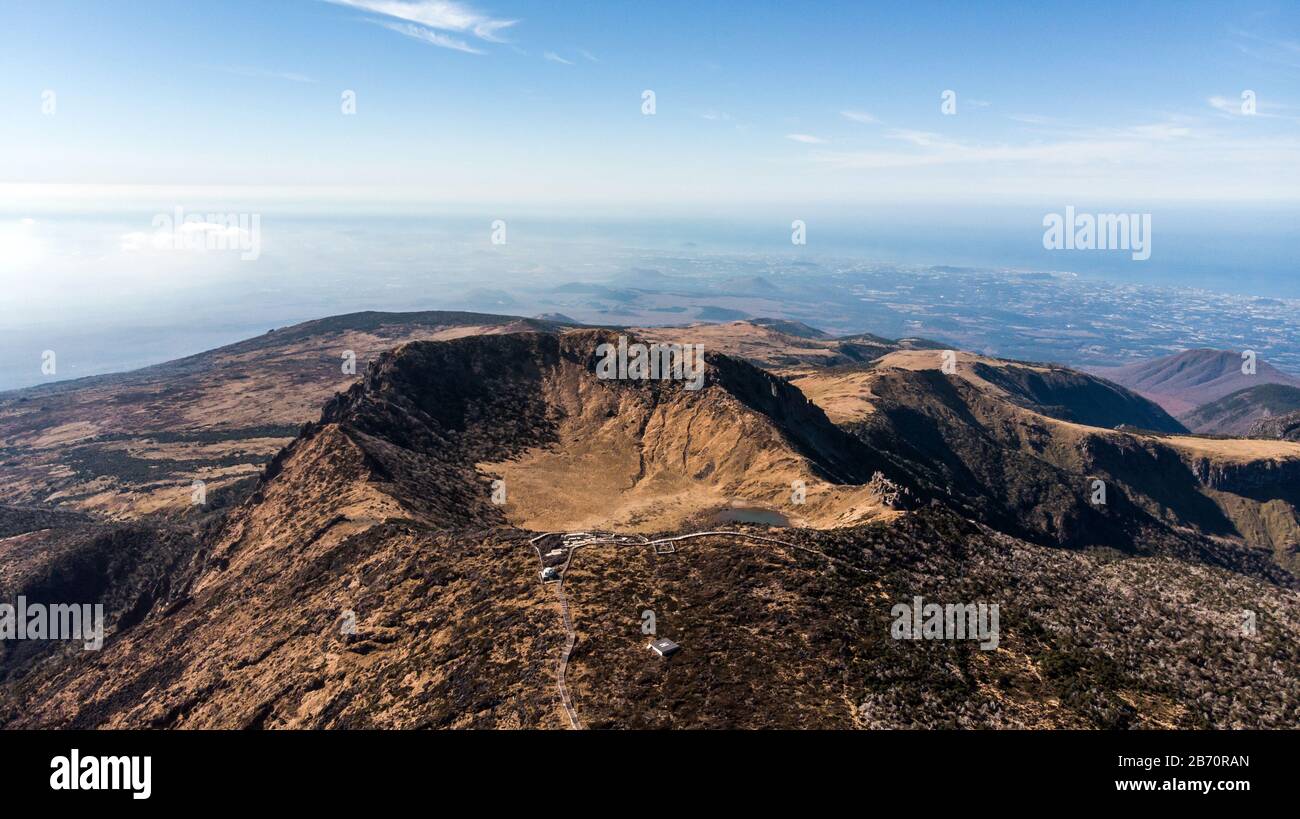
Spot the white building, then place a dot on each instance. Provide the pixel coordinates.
(663, 647)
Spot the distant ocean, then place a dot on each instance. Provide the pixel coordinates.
(106, 310)
(1243, 250)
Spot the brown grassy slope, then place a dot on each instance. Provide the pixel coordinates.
(648, 456)
(348, 518)
(126, 445)
(778, 638)
(980, 451)
(778, 346)
(378, 509)
(129, 445)
(344, 519)
(449, 633)
(1184, 381)
(1049, 389)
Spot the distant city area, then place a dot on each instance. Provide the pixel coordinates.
(1041, 316)
(1068, 319)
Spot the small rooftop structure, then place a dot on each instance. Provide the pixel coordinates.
(550, 573)
(557, 552)
(664, 647)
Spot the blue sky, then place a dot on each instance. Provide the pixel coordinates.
(757, 103)
(532, 112)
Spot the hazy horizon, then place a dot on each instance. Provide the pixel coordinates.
(113, 308)
(396, 155)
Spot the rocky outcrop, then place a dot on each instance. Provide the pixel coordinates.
(1279, 427)
(1260, 476)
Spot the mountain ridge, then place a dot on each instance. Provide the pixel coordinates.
(1181, 382)
(368, 579)
(1238, 412)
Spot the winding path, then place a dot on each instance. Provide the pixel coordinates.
(570, 636)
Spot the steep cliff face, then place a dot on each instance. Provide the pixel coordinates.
(962, 449)
(968, 444)
(1263, 476)
(130, 444)
(647, 455)
(1078, 397)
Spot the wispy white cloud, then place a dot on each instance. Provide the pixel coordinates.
(434, 21)
(1032, 119)
(588, 56)
(956, 152)
(808, 139)
(1225, 105)
(922, 138)
(551, 56)
(1274, 51)
(859, 116)
(1174, 126)
(1173, 142)
(429, 36)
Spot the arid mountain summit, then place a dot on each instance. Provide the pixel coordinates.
(480, 529)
